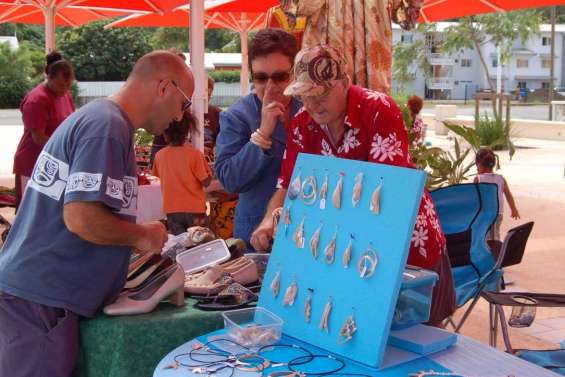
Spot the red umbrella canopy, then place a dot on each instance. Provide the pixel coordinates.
(64, 17)
(439, 10)
(251, 6)
(180, 17)
(120, 5)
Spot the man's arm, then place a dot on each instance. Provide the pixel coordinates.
(262, 236)
(94, 222)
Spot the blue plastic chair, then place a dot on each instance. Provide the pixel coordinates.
(466, 212)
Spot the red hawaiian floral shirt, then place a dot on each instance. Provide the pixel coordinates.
(374, 132)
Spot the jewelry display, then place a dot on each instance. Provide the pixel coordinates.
(368, 262)
(308, 305)
(276, 364)
(324, 323)
(336, 197)
(309, 190)
(340, 364)
(357, 189)
(347, 330)
(286, 219)
(315, 240)
(347, 253)
(294, 187)
(298, 236)
(254, 367)
(423, 373)
(276, 284)
(324, 192)
(290, 294)
(375, 205)
(329, 251)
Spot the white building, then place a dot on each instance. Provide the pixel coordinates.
(460, 75)
(12, 41)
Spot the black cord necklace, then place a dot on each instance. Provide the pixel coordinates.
(308, 357)
(299, 361)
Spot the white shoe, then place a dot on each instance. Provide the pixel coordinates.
(169, 284)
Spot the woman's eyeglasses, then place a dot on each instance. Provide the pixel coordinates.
(278, 77)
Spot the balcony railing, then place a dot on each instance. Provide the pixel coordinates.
(440, 83)
(440, 59)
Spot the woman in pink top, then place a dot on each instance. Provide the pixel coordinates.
(43, 109)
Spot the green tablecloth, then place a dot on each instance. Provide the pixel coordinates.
(134, 345)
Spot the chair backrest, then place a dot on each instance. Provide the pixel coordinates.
(466, 212)
(514, 245)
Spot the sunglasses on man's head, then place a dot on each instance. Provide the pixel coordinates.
(278, 77)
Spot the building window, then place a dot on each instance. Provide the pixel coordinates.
(522, 84)
(546, 63)
(494, 63)
(545, 41)
(407, 38)
(545, 85)
(521, 63)
(465, 62)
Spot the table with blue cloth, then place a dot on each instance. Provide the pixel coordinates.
(467, 358)
(125, 346)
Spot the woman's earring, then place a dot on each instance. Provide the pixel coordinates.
(348, 251)
(357, 189)
(298, 236)
(315, 240)
(324, 192)
(290, 294)
(375, 205)
(336, 196)
(286, 219)
(347, 330)
(324, 323)
(295, 186)
(329, 251)
(309, 190)
(308, 306)
(276, 284)
(368, 262)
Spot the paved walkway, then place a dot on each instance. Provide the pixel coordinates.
(536, 176)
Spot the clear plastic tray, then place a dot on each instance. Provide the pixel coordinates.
(415, 298)
(253, 327)
(202, 256)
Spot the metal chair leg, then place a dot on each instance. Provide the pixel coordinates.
(467, 313)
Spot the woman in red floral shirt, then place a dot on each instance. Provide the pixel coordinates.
(347, 121)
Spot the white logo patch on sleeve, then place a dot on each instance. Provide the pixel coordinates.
(114, 188)
(82, 181)
(49, 176)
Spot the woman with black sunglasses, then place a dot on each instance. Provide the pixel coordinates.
(252, 138)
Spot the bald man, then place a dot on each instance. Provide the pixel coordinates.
(68, 251)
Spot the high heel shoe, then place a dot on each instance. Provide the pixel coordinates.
(142, 273)
(168, 284)
(242, 271)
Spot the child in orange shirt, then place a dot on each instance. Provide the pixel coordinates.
(184, 173)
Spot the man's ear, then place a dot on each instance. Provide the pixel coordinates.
(162, 87)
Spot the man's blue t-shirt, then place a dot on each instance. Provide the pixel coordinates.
(89, 158)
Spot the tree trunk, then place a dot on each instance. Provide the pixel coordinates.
(485, 68)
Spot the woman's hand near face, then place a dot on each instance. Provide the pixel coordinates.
(272, 110)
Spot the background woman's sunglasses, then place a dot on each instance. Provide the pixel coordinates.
(262, 77)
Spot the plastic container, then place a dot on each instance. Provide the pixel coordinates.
(253, 327)
(202, 256)
(415, 298)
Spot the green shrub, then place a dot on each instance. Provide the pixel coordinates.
(12, 91)
(225, 76)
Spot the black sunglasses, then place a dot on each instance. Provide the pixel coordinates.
(186, 104)
(278, 77)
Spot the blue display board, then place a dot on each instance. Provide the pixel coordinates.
(370, 301)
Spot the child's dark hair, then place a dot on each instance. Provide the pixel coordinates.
(55, 64)
(486, 158)
(178, 131)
